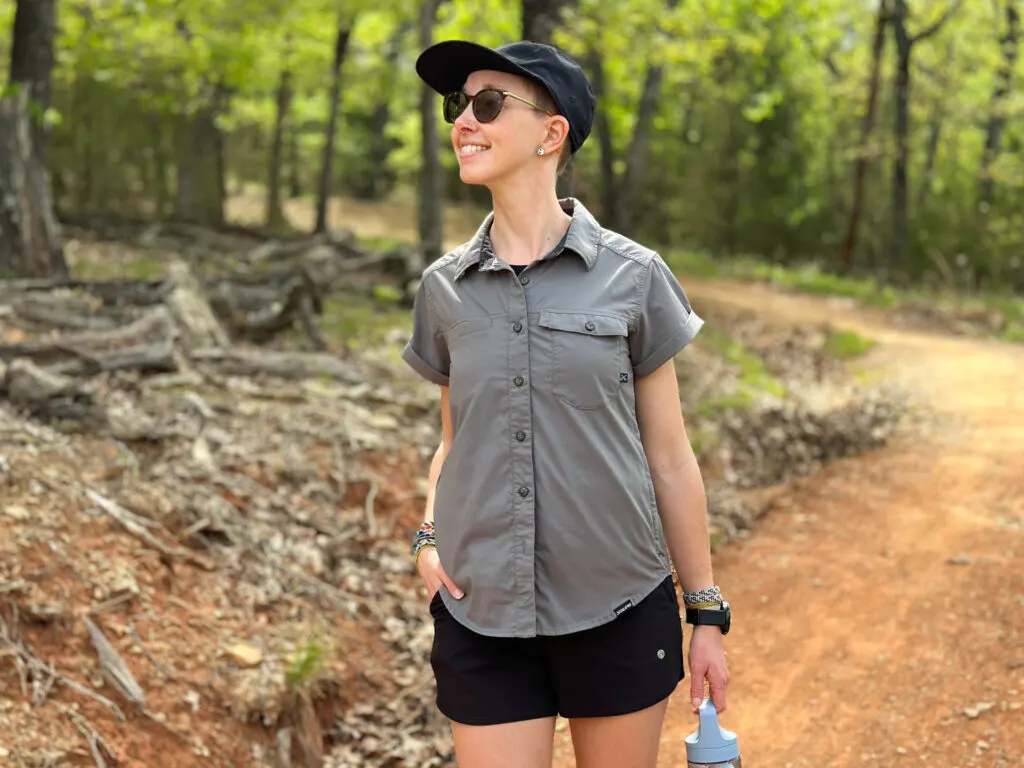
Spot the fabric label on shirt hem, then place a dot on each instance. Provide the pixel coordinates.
(623, 608)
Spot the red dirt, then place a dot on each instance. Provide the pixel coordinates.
(882, 597)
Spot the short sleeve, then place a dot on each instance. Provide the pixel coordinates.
(427, 350)
(666, 322)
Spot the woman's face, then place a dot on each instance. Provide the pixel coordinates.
(489, 152)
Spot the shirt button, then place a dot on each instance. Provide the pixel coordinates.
(589, 325)
(517, 326)
(518, 381)
(520, 436)
(524, 279)
(524, 491)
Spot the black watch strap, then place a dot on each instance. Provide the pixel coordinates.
(718, 617)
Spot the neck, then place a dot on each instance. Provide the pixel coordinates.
(526, 225)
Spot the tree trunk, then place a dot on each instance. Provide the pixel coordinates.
(540, 19)
(30, 244)
(1008, 44)
(860, 168)
(35, 24)
(934, 134)
(896, 253)
(200, 181)
(324, 189)
(431, 175)
(275, 213)
(294, 182)
(603, 133)
(636, 155)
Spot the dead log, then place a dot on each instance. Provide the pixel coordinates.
(148, 343)
(49, 396)
(187, 303)
(71, 311)
(284, 365)
(111, 293)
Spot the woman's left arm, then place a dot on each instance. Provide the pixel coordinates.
(682, 505)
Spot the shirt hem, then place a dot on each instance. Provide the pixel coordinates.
(578, 627)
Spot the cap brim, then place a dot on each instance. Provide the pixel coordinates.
(445, 66)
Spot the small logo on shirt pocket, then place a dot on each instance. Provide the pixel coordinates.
(623, 378)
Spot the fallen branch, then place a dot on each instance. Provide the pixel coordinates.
(146, 342)
(285, 365)
(138, 529)
(113, 666)
(91, 734)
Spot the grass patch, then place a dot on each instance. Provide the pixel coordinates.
(844, 345)
(138, 267)
(306, 664)
(359, 322)
(754, 374)
(755, 380)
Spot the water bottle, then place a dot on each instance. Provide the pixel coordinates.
(711, 746)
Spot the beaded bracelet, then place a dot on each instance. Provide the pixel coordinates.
(711, 595)
(420, 546)
(424, 538)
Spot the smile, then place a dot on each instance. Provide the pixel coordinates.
(470, 149)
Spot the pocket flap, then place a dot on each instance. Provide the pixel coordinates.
(583, 322)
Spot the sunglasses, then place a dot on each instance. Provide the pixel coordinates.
(487, 104)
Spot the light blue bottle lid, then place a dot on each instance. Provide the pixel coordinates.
(711, 743)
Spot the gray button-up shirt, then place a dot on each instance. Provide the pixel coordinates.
(545, 511)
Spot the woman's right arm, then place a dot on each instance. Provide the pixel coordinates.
(429, 564)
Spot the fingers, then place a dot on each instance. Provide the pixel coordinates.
(698, 669)
(718, 681)
(447, 581)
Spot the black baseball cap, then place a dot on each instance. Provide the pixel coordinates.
(446, 65)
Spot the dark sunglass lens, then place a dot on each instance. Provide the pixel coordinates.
(454, 104)
(487, 105)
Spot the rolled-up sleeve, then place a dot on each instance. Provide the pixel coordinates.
(427, 349)
(666, 322)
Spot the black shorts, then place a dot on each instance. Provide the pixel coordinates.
(626, 665)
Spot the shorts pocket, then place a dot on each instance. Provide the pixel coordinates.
(588, 353)
(437, 607)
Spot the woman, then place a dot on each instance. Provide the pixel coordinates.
(564, 476)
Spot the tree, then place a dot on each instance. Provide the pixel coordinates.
(1008, 45)
(431, 174)
(30, 243)
(345, 24)
(905, 43)
(540, 20)
(282, 103)
(860, 166)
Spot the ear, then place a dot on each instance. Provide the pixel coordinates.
(556, 134)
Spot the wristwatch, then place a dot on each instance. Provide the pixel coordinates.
(718, 617)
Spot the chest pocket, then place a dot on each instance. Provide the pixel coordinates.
(588, 356)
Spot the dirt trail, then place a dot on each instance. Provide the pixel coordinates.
(885, 595)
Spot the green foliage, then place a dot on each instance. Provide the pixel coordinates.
(755, 380)
(757, 127)
(847, 344)
(306, 664)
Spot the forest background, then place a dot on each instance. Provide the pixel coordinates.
(876, 138)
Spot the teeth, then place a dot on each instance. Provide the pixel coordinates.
(471, 148)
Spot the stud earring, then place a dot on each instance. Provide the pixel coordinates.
(540, 150)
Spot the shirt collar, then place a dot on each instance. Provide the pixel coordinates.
(583, 239)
